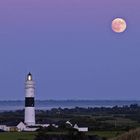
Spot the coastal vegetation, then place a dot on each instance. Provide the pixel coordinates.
(131, 135)
(105, 122)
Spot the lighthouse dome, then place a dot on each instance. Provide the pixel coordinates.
(29, 77)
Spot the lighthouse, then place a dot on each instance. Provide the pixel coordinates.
(29, 116)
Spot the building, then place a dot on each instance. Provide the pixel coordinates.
(81, 129)
(21, 126)
(4, 128)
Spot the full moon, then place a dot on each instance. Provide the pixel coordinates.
(119, 25)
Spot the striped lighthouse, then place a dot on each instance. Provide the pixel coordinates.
(29, 117)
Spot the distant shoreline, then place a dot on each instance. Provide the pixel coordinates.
(49, 104)
(120, 100)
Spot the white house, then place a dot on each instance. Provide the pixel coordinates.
(43, 125)
(81, 129)
(4, 128)
(30, 129)
(54, 125)
(69, 123)
(21, 126)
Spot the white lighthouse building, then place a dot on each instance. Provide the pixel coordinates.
(29, 117)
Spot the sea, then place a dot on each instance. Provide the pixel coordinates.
(49, 104)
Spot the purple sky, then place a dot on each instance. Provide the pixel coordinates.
(70, 49)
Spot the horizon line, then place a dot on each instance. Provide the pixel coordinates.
(6, 100)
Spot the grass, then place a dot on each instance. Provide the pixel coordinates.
(131, 135)
(31, 135)
(17, 135)
(107, 134)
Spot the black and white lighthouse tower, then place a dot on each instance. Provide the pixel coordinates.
(29, 117)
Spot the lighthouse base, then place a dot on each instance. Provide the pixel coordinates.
(29, 116)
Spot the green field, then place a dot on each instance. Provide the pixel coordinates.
(17, 136)
(31, 135)
(107, 134)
